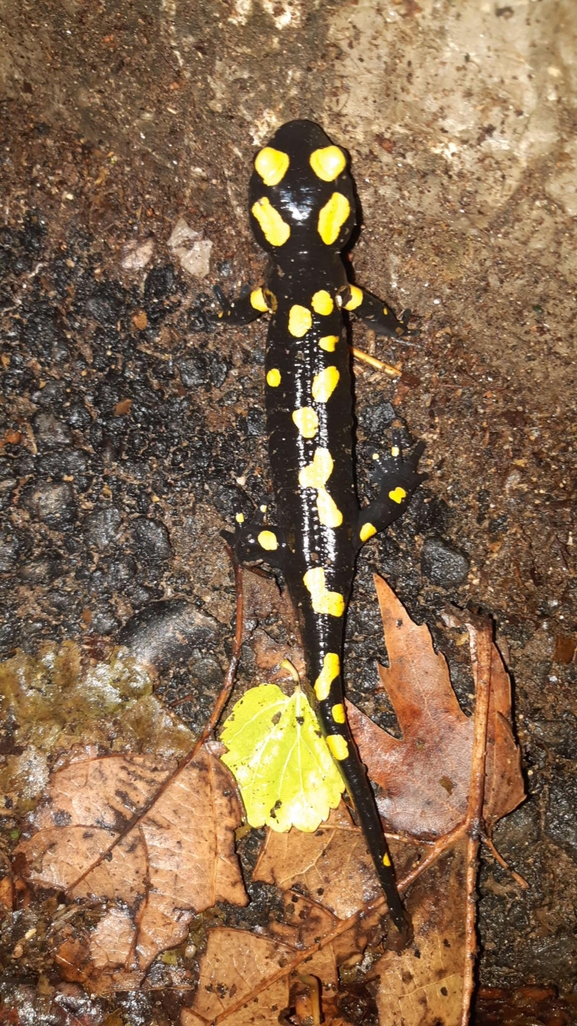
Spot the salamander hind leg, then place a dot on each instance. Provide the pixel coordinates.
(256, 541)
(398, 478)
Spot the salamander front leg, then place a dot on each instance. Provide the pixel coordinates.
(251, 303)
(373, 311)
(398, 478)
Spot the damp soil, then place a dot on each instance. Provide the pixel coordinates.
(132, 429)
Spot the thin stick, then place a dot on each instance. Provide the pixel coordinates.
(520, 880)
(208, 730)
(387, 368)
(480, 646)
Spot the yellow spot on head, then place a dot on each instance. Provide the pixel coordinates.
(268, 540)
(324, 384)
(322, 303)
(300, 320)
(367, 531)
(398, 494)
(239, 518)
(328, 511)
(338, 746)
(338, 712)
(332, 218)
(272, 165)
(330, 671)
(273, 377)
(385, 311)
(307, 421)
(356, 298)
(275, 230)
(328, 162)
(395, 451)
(328, 343)
(257, 300)
(386, 860)
(325, 602)
(263, 508)
(317, 473)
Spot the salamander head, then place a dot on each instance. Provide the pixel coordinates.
(301, 194)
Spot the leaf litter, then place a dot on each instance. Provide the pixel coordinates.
(149, 864)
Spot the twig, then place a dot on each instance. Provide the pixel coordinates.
(505, 865)
(480, 638)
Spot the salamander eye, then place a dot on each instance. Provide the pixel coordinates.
(272, 165)
(328, 163)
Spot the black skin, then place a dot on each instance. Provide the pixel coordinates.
(307, 536)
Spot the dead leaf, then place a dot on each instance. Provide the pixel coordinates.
(423, 985)
(177, 859)
(425, 777)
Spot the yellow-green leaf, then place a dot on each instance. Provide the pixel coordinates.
(280, 759)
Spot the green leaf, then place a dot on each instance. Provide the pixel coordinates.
(281, 761)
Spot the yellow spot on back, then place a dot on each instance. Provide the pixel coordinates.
(239, 518)
(338, 746)
(300, 320)
(398, 494)
(257, 300)
(325, 602)
(328, 511)
(367, 531)
(272, 165)
(328, 162)
(356, 298)
(275, 230)
(385, 311)
(307, 421)
(386, 860)
(328, 343)
(268, 540)
(322, 303)
(330, 671)
(273, 377)
(317, 473)
(395, 451)
(338, 712)
(332, 217)
(324, 384)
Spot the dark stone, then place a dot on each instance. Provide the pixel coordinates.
(78, 417)
(152, 538)
(443, 564)
(376, 419)
(167, 632)
(9, 551)
(53, 502)
(101, 528)
(104, 622)
(50, 431)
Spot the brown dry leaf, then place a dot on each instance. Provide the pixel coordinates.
(178, 858)
(423, 985)
(332, 865)
(425, 776)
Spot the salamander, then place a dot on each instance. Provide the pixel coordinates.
(302, 212)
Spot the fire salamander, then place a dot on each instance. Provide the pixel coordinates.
(302, 212)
